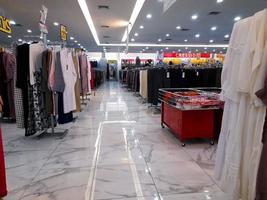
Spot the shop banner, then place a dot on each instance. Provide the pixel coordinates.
(167, 4)
(43, 15)
(63, 33)
(187, 55)
(5, 25)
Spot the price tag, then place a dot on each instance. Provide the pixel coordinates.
(168, 74)
(5, 25)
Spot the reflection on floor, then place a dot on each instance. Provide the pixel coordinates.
(115, 150)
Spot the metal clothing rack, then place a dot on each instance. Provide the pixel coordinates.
(62, 132)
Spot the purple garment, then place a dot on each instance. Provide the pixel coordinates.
(84, 73)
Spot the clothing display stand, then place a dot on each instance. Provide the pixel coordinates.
(62, 132)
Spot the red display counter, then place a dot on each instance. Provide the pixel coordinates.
(3, 188)
(191, 117)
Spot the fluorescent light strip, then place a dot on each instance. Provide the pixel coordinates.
(89, 19)
(166, 45)
(137, 8)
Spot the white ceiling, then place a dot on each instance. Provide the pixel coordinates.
(68, 12)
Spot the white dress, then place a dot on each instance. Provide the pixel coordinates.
(70, 77)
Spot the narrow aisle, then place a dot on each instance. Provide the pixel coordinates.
(116, 150)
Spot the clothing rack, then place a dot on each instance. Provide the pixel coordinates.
(62, 132)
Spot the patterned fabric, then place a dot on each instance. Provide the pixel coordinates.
(40, 115)
(30, 130)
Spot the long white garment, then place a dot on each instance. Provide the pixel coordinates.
(240, 146)
(70, 77)
(35, 51)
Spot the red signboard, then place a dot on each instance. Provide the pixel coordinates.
(187, 55)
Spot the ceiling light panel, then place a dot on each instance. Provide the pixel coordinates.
(194, 17)
(89, 20)
(137, 8)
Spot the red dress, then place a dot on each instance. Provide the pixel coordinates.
(3, 190)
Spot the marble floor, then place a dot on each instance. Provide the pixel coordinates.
(116, 149)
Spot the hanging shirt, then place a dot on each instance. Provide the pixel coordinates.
(70, 78)
(88, 74)
(35, 51)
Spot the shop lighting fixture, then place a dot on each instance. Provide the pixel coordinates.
(161, 50)
(143, 49)
(178, 27)
(194, 17)
(48, 41)
(211, 41)
(224, 48)
(12, 22)
(214, 50)
(72, 38)
(136, 34)
(186, 47)
(197, 35)
(205, 48)
(137, 8)
(185, 40)
(148, 16)
(220, 1)
(159, 40)
(227, 36)
(214, 28)
(29, 30)
(167, 35)
(179, 50)
(41, 37)
(79, 44)
(132, 39)
(75, 41)
(88, 18)
(9, 36)
(167, 48)
(237, 18)
(147, 47)
(56, 23)
(141, 27)
(196, 50)
(20, 40)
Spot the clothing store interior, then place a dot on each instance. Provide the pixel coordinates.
(133, 100)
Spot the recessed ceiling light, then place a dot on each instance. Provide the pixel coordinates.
(205, 48)
(186, 47)
(161, 50)
(143, 49)
(179, 50)
(132, 39)
(29, 30)
(148, 16)
(141, 27)
(12, 22)
(159, 39)
(214, 50)
(75, 41)
(167, 35)
(20, 40)
(167, 48)
(194, 17)
(9, 36)
(196, 50)
(197, 35)
(185, 40)
(41, 37)
(220, 1)
(214, 28)
(211, 41)
(136, 34)
(79, 44)
(72, 38)
(237, 18)
(48, 41)
(224, 48)
(56, 23)
(227, 36)
(178, 27)
(147, 47)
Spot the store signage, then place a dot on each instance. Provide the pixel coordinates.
(5, 25)
(186, 55)
(167, 4)
(43, 16)
(63, 33)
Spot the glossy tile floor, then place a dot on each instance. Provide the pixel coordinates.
(115, 150)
